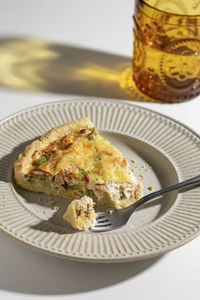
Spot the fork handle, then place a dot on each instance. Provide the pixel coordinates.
(187, 183)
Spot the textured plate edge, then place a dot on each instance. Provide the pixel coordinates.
(94, 99)
(119, 259)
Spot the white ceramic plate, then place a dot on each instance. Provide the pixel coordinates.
(171, 149)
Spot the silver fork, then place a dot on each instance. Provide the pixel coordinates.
(107, 221)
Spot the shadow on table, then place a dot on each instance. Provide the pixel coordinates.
(37, 65)
(26, 271)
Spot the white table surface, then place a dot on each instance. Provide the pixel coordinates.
(106, 26)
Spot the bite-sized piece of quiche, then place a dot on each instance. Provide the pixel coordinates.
(73, 160)
(80, 213)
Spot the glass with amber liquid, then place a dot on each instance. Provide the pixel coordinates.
(166, 60)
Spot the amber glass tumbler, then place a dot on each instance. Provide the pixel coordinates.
(166, 59)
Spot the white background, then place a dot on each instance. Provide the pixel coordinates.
(106, 26)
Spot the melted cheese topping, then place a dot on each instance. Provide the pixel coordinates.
(100, 160)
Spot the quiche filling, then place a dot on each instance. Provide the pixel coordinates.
(83, 163)
(80, 213)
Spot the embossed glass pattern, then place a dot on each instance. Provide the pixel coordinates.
(166, 60)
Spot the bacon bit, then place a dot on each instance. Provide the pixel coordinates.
(85, 178)
(51, 147)
(86, 131)
(35, 154)
(65, 139)
(66, 147)
(39, 172)
(83, 130)
(65, 144)
(68, 139)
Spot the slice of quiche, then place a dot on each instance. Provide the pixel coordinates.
(73, 160)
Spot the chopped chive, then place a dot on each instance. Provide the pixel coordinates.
(41, 160)
(81, 174)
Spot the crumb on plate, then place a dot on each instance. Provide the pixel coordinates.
(151, 188)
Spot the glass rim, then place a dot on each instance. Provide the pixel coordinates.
(165, 12)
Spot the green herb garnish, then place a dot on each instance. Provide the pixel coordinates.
(41, 160)
(81, 174)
